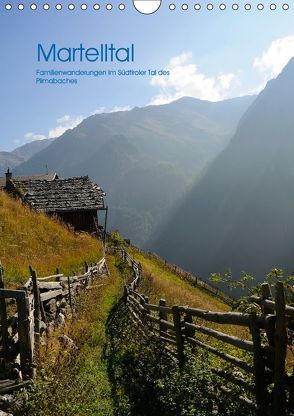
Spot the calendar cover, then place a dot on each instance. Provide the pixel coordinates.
(149, 140)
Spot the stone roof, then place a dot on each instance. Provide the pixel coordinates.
(59, 195)
(47, 177)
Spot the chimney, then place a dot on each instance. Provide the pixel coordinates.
(8, 175)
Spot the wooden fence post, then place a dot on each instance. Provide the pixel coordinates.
(25, 345)
(123, 255)
(261, 393)
(179, 336)
(125, 294)
(270, 320)
(266, 294)
(190, 332)
(146, 323)
(37, 309)
(162, 315)
(280, 353)
(146, 299)
(266, 291)
(3, 317)
(43, 313)
(105, 226)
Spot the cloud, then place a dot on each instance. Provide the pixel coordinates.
(116, 108)
(63, 119)
(225, 80)
(67, 122)
(272, 60)
(123, 108)
(99, 110)
(64, 123)
(180, 59)
(30, 137)
(185, 79)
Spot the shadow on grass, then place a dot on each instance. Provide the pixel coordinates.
(145, 382)
(135, 364)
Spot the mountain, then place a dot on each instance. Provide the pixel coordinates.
(9, 160)
(29, 149)
(240, 215)
(21, 154)
(145, 159)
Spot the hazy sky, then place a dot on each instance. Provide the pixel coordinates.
(211, 55)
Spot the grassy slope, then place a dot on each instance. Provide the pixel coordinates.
(160, 283)
(30, 238)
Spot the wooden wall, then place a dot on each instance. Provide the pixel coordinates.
(80, 220)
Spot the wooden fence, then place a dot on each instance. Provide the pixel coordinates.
(258, 370)
(24, 314)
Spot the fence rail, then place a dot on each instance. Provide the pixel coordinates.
(26, 312)
(260, 375)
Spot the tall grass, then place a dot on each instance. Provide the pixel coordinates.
(31, 238)
(161, 282)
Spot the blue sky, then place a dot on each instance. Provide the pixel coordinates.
(211, 55)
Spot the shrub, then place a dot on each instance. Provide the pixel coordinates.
(146, 382)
